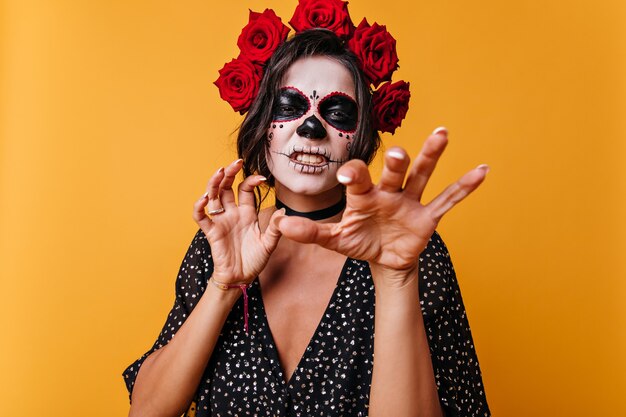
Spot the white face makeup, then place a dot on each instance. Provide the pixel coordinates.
(315, 118)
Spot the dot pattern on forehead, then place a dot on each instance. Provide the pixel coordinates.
(314, 97)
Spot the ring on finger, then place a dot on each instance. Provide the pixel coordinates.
(216, 211)
(215, 206)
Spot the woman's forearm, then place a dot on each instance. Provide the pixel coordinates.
(403, 383)
(169, 377)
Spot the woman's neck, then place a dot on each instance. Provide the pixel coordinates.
(322, 214)
(305, 203)
(326, 204)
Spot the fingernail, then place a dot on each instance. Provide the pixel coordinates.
(396, 155)
(344, 179)
(205, 195)
(484, 167)
(219, 171)
(237, 161)
(263, 178)
(441, 130)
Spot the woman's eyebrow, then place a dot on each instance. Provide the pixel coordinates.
(292, 91)
(338, 93)
(337, 98)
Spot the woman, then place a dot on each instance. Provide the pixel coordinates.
(300, 340)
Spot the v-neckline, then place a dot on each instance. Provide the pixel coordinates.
(272, 350)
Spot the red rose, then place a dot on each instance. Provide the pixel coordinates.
(376, 49)
(261, 36)
(328, 14)
(390, 104)
(239, 83)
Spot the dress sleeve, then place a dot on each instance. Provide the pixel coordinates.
(455, 364)
(195, 270)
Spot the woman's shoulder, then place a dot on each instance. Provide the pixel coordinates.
(435, 249)
(200, 241)
(437, 278)
(197, 265)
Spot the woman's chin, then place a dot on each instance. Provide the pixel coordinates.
(307, 185)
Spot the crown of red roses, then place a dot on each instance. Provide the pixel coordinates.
(374, 47)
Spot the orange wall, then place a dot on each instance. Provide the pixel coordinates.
(110, 126)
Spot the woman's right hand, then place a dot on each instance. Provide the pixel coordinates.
(239, 250)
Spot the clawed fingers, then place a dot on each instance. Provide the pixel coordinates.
(226, 194)
(355, 176)
(396, 163)
(199, 215)
(209, 200)
(213, 189)
(219, 194)
(457, 192)
(246, 190)
(426, 162)
(305, 230)
(272, 234)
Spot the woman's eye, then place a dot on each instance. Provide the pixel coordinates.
(290, 105)
(338, 115)
(340, 111)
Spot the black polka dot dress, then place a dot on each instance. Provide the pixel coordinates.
(244, 376)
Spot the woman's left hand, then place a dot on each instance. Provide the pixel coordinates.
(386, 224)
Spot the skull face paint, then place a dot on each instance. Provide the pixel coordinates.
(290, 105)
(314, 118)
(312, 128)
(340, 111)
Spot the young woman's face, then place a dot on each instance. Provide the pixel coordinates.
(313, 125)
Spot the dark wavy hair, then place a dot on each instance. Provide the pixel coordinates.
(252, 141)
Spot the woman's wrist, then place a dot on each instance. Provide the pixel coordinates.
(227, 287)
(227, 296)
(386, 278)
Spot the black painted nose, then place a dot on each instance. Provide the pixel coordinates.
(311, 128)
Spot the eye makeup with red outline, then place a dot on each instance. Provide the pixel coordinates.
(291, 104)
(340, 111)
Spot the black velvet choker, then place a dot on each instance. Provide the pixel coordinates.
(317, 214)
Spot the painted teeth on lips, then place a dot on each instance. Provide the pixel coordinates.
(309, 159)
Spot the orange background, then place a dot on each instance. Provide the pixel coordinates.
(110, 127)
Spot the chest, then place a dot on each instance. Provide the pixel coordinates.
(296, 294)
(332, 374)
